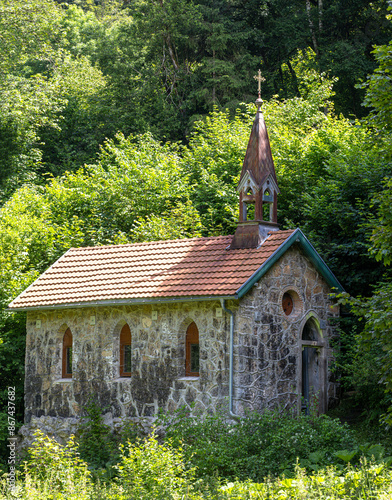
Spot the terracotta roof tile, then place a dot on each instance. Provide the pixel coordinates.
(178, 268)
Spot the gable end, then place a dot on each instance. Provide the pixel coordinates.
(309, 251)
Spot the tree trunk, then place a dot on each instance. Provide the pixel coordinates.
(171, 52)
(294, 76)
(311, 27)
(320, 15)
(213, 76)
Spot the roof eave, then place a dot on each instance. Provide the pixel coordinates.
(33, 283)
(124, 302)
(296, 237)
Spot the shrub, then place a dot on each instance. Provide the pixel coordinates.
(98, 443)
(149, 470)
(259, 444)
(367, 481)
(55, 468)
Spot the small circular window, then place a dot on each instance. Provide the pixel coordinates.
(292, 304)
(287, 303)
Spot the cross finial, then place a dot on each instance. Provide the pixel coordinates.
(260, 79)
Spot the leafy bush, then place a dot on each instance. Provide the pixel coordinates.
(151, 471)
(56, 468)
(259, 444)
(368, 480)
(148, 470)
(98, 443)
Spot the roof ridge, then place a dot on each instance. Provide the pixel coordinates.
(156, 242)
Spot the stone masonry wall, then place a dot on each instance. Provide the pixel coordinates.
(268, 347)
(267, 352)
(158, 349)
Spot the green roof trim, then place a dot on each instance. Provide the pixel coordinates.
(309, 250)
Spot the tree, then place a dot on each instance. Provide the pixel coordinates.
(374, 343)
(27, 99)
(340, 33)
(213, 161)
(83, 121)
(27, 32)
(378, 91)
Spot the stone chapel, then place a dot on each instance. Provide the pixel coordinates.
(240, 322)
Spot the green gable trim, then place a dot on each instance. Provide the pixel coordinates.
(297, 237)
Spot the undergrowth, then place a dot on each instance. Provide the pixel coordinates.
(275, 455)
(148, 470)
(257, 445)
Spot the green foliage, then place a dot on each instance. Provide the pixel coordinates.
(12, 351)
(47, 98)
(369, 480)
(28, 99)
(339, 205)
(258, 445)
(373, 362)
(378, 92)
(381, 236)
(57, 467)
(97, 445)
(27, 31)
(374, 342)
(26, 104)
(340, 33)
(180, 222)
(213, 160)
(84, 117)
(149, 470)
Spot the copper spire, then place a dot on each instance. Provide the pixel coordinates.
(258, 186)
(258, 157)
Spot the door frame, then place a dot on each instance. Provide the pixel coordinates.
(320, 345)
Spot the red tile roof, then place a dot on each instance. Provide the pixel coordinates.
(196, 267)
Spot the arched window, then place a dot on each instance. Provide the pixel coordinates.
(125, 352)
(67, 354)
(310, 331)
(192, 351)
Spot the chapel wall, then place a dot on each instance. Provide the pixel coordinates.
(267, 351)
(158, 360)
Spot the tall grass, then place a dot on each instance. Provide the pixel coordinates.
(148, 470)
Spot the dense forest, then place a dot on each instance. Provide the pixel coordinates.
(125, 121)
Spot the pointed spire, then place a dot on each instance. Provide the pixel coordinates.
(258, 158)
(258, 186)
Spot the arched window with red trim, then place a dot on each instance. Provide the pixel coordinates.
(125, 352)
(67, 354)
(192, 351)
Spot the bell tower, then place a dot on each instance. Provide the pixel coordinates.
(258, 187)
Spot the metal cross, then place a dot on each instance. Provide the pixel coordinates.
(260, 79)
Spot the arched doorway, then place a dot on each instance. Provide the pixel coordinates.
(313, 367)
